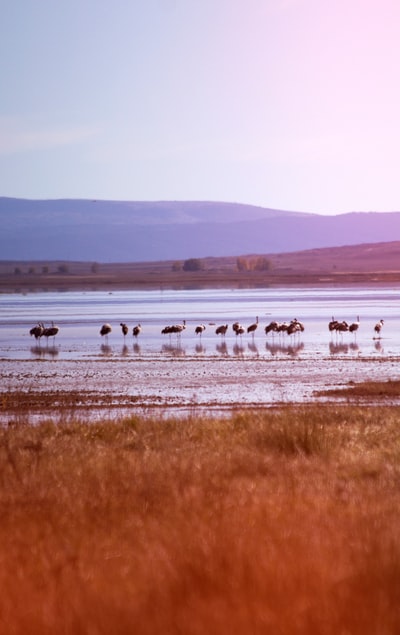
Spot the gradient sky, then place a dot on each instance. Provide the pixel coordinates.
(289, 104)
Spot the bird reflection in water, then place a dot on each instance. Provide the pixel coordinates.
(200, 349)
(253, 348)
(125, 351)
(285, 349)
(378, 346)
(238, 350)
(49, 351)
(136, 348)
(338, 348)
(106, 349)
(174, 350)
(222, 349)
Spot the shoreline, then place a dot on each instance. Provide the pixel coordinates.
(124, 281)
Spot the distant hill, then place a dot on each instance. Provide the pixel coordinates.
(123, 231)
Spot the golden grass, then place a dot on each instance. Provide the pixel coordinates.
(366, 389)
(270, 522)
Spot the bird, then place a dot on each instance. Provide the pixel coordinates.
(137, 330)
(200, 329)
(37, 331)
(239, 330)
(295, 327)
(105, 330)
(178, 328)
(272, 326)
(332, 324)
(252, 328)
(378, 327)
(174, 328)
(221, 330)
(341, 327)
(51, 331)
(354, 326)
(124, 328)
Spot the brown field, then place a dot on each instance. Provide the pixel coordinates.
(367, 263)
(282, 521)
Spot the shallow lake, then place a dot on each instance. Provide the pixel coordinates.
(80, 315)
(212, 373)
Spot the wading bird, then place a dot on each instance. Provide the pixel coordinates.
(105, 330)
(200, 329)
(137, 330)
(221, 330)
(37, 331)
(253, 327)
(378, 327)
(51, 331)
(354, 326)
(124, 328)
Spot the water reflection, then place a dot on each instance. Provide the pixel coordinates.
(222, 349)
(175, 350)
(200, 349)
(285, 349)
(340, 348)
(106, 350)
(253, 348)
(39, 351)
(238, 350)
(125, 351)
(136, 349)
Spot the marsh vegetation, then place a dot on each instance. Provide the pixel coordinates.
(276, 521)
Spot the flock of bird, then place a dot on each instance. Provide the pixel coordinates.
(343, 326)
(40, 330)
(290, 328)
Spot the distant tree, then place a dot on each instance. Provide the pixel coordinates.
(95, 267)
(17, 271)
(177, 266)
(262, 264)
(45, 269)
(192, 264)
(31, 270)
(63, 268)
(242, 264)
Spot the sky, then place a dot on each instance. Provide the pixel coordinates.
(286, 104)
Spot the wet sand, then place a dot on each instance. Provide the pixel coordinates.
(172, 386)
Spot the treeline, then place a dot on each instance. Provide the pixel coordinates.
(256, 263)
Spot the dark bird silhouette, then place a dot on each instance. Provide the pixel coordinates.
(37, 331)
(378, 327)
(124, 328)
(137, 330)
(271, 327)
(174, 328)
(105, 330)
(51, 331)
(342, 327)
(200, 329)
(354, 326)
(221, 330)
(253, 327)
(295, 327)
(332, 324)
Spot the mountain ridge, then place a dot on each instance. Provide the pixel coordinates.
(137, 231)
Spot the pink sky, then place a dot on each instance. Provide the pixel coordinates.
(292, 104)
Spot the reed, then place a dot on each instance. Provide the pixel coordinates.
(280, 521)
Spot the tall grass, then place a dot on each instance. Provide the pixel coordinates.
(282, 522)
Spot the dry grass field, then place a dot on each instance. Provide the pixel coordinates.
(281, 521)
